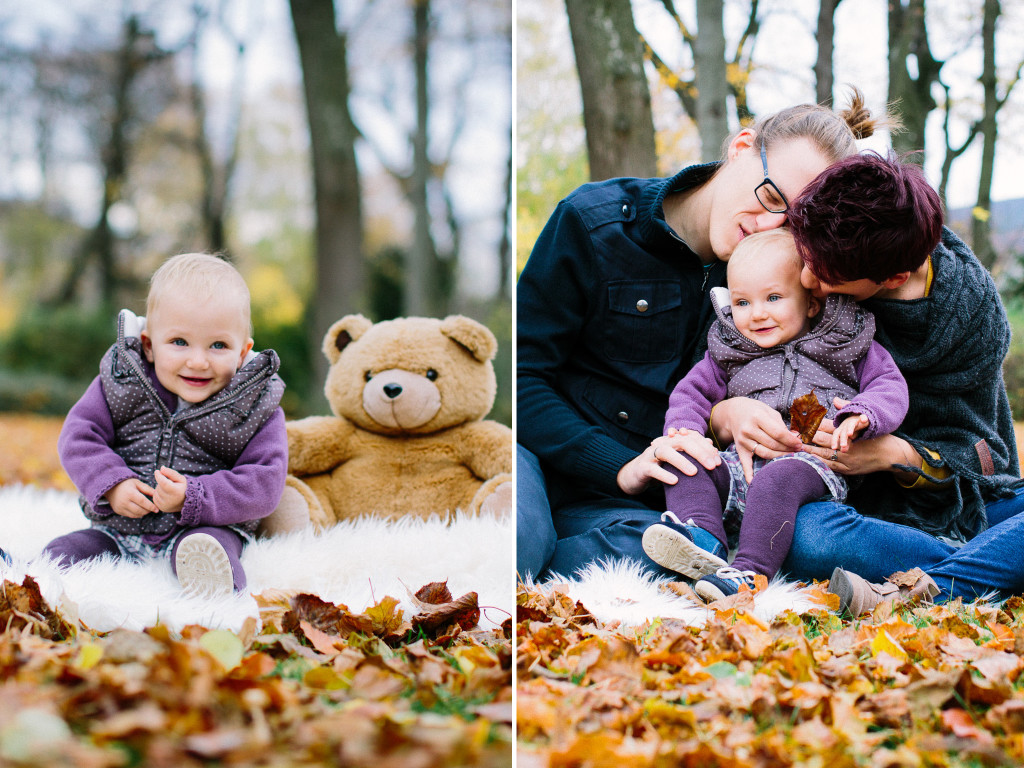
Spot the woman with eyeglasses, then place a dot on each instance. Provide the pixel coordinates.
(613, 308)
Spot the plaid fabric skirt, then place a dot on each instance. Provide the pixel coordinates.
(142, 546)
(736, 504)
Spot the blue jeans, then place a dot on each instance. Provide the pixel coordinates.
(830, 535)
(535, 531)
(570, 537)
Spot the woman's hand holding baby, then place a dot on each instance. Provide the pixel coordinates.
(757, 429)
(671, 448)
(170, 490)
(131, 498)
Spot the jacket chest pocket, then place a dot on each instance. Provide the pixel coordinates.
(644, 321)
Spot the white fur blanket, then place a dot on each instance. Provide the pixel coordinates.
(626, 592)
(356, 563)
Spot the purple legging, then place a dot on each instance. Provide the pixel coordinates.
(776, 492)
(89, 543)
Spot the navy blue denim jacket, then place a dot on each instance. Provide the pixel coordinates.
(612, 310)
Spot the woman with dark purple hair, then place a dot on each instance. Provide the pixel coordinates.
(944, 492)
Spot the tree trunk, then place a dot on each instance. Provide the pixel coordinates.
(340, 269)
(505, 247)
(910, 91)
(421, 258)
(616, 99)
(712, 85)
(99, 243)
(981, 234)
(216, 175)
(824, 81)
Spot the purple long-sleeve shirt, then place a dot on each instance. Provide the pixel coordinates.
(250, 490)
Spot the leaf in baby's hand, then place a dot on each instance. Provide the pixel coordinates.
(805, 416)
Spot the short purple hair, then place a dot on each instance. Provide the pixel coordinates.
(866, 216)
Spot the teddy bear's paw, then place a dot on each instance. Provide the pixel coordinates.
(292, 514)
(500, 501)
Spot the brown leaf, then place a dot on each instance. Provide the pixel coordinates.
(962, 724)
(323, 642)
(330, 618)
(435, 593)
(906, 578)
(464, 612)
(805, 415)
(23, 606)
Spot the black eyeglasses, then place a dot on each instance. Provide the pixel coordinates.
(769, 195)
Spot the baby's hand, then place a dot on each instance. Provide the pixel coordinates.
(131, 498)
(170, 490)
(847, 431)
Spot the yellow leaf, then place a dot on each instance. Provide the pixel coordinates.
(89, 656)
(324, 678)
(883, 643)
(224, 646)
(385, 615)
(981, 214)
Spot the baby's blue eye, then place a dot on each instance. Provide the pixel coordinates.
(219, 345)
(179, 342)
(774, 297)
(742, 303)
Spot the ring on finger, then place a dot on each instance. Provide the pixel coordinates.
(834, 456)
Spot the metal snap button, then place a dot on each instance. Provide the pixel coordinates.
(641, 306)
(622, 416)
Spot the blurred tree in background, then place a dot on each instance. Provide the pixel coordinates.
(133, 132)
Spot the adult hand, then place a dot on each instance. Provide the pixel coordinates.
(878, 454)
(131, 498)
(756, 429)
(170, 490)
(637, 474)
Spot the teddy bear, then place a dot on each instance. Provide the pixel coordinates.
(408, 435)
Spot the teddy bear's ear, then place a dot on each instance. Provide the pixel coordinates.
(472, 335)
(342, 333)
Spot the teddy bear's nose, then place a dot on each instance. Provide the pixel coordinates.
(392, 390)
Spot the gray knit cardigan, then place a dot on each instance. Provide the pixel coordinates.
(950, 348)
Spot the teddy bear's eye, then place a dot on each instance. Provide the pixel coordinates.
(368, 375)
(432, 374)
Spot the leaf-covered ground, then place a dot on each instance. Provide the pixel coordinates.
(908, 686)
(318, 685)
(28, 451)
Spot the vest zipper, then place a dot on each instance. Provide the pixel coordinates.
(788, 379)
(259, 379)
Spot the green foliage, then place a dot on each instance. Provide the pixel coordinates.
(1013, 366)
(502, 323)
(42, 393)
(387, 276)
(291, 342)
(386, 270)
(50, 355)
(544, 179)
(65, 341)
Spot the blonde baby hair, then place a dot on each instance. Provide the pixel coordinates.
(200, 275)
(753, 246)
